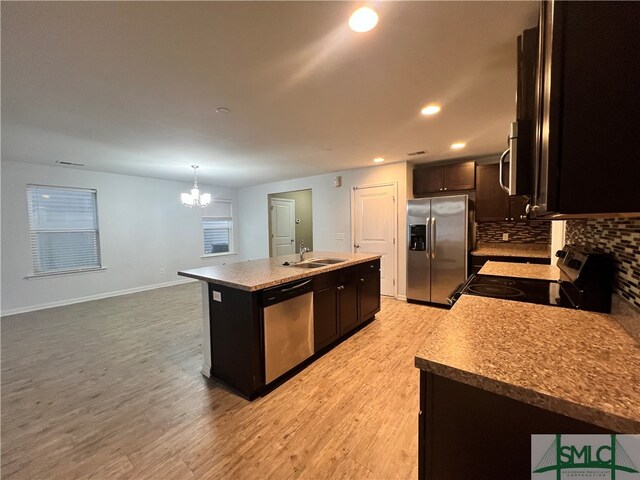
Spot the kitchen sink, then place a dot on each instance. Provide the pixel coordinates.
(309, 265)
(317, 262)
(328, 261)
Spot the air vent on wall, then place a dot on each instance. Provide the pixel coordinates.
(62, 162)
(419, 152)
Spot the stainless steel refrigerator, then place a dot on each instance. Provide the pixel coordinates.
(437, 247)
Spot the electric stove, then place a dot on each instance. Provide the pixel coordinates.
(586, 281)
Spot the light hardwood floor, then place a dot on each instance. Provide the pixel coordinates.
(112, 389)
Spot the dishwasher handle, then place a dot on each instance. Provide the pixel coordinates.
(295, 287)
(282, 293)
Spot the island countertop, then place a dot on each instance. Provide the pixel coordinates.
(580, 364)
(259, 274)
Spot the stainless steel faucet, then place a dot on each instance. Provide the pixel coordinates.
(303, 250)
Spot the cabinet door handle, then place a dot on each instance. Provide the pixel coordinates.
(362, 280)
(445, 188)
(340, 287)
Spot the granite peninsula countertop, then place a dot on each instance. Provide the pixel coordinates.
(534, 250)
(580, 364)
(252, 275)
(521, 270)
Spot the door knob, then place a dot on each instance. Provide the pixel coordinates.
(355, 245)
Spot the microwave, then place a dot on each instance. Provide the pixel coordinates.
(516, 168)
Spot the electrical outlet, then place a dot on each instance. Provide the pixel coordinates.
(217, 296)
(505, 236)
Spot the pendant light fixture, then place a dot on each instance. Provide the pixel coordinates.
(194, 199)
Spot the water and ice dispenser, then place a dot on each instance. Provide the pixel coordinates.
(418, 237)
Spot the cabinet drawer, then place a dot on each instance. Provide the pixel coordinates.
(326, 280)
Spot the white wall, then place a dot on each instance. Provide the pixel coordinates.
(144, 231)
(331, 212)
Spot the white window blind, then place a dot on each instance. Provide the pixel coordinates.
(217, 227)
(64, 229)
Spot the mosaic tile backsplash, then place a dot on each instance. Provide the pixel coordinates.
(519, 232)
(619, 237)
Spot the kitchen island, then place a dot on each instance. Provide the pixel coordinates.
(263, 319)
(496, 371)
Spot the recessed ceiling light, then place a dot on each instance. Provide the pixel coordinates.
(430, 110)
(458, 146)
(223, 110)
(378, 160)
(363, 20)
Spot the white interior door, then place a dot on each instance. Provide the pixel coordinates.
(283, 226)
(374, 227)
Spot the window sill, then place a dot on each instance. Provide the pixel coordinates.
(66, 273)
(221, 254)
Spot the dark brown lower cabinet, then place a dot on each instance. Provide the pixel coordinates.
(369, 295)
(344, 300)
(465, 432)
(348, 307)
(325, 317)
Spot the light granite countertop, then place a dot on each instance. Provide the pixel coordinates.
(580, 364)
(521, 270)
(534, 250)
(255, 275)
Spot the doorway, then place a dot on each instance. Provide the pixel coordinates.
(290, 222)
(373, 229)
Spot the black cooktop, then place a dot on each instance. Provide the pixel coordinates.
(544, 292)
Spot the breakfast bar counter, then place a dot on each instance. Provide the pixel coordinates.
(253, 275)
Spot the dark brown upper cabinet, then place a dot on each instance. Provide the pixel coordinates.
(444, 178)
(587, 145)
(493, 204)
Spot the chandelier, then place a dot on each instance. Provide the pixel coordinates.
(194, 199)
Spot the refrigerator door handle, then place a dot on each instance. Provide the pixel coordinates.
(433, 238)
(428, 235)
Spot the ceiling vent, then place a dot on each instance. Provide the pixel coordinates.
(419, 152)
(72, 164)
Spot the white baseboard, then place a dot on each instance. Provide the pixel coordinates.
(402, 297)
(71, 301)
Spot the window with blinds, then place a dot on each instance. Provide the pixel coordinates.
(217, 227)
(64, 229)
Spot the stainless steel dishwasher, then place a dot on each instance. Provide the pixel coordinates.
(288, 327)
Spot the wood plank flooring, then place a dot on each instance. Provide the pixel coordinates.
(112, 389)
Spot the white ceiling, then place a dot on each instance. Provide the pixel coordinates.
(132, 87)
